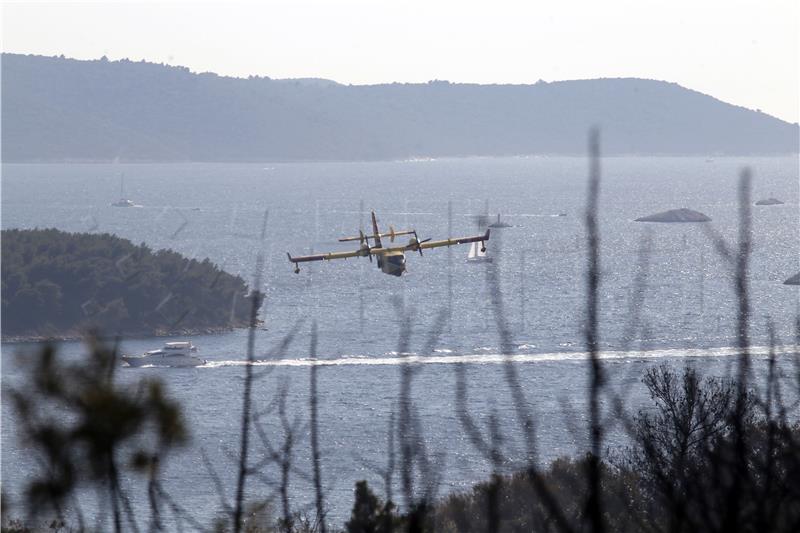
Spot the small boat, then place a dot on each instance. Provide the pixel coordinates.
(499, 224)
(122, 202)
(769, 201)
(174, 354)
(477, 254)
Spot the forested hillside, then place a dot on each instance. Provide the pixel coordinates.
(59, 284)
(57, 109)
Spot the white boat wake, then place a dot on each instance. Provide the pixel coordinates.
(480, 359)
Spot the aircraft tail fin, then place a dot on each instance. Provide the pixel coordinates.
(375, 233)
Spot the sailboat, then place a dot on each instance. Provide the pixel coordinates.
(122, 202)
(499, 224)
(477, 254)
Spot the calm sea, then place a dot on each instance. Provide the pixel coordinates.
(217, 211)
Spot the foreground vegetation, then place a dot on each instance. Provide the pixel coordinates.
(702, 458)
(58, 284)
(704, 455)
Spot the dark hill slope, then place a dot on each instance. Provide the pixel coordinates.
(61, 109)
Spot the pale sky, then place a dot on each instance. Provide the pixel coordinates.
(742, 52)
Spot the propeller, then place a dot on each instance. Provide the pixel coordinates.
(415, 242)
(364, 251)
(364, 245)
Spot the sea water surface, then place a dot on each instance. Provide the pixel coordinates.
(686, 307)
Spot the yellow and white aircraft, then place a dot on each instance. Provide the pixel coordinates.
(391, 259)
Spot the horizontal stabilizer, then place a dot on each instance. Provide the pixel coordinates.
(390, 234)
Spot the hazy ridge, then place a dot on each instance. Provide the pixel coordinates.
(57, 109)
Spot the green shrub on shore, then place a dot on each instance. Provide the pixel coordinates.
(58, 284)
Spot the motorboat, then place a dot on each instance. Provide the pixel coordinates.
(174, 354)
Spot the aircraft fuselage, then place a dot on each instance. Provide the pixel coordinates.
(392, 263)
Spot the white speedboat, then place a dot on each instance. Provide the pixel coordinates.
(175, 354)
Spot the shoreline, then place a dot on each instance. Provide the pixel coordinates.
(75, 336)
(399, 159)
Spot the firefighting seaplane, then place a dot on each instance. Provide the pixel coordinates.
(391, 259)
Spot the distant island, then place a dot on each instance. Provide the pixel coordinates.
(58, 285)
(769, 201)
(60, 110)
(681, 215)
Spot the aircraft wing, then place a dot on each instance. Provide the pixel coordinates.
(323, 257)
(451, 242)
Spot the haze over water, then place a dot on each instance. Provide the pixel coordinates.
(216, 211)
